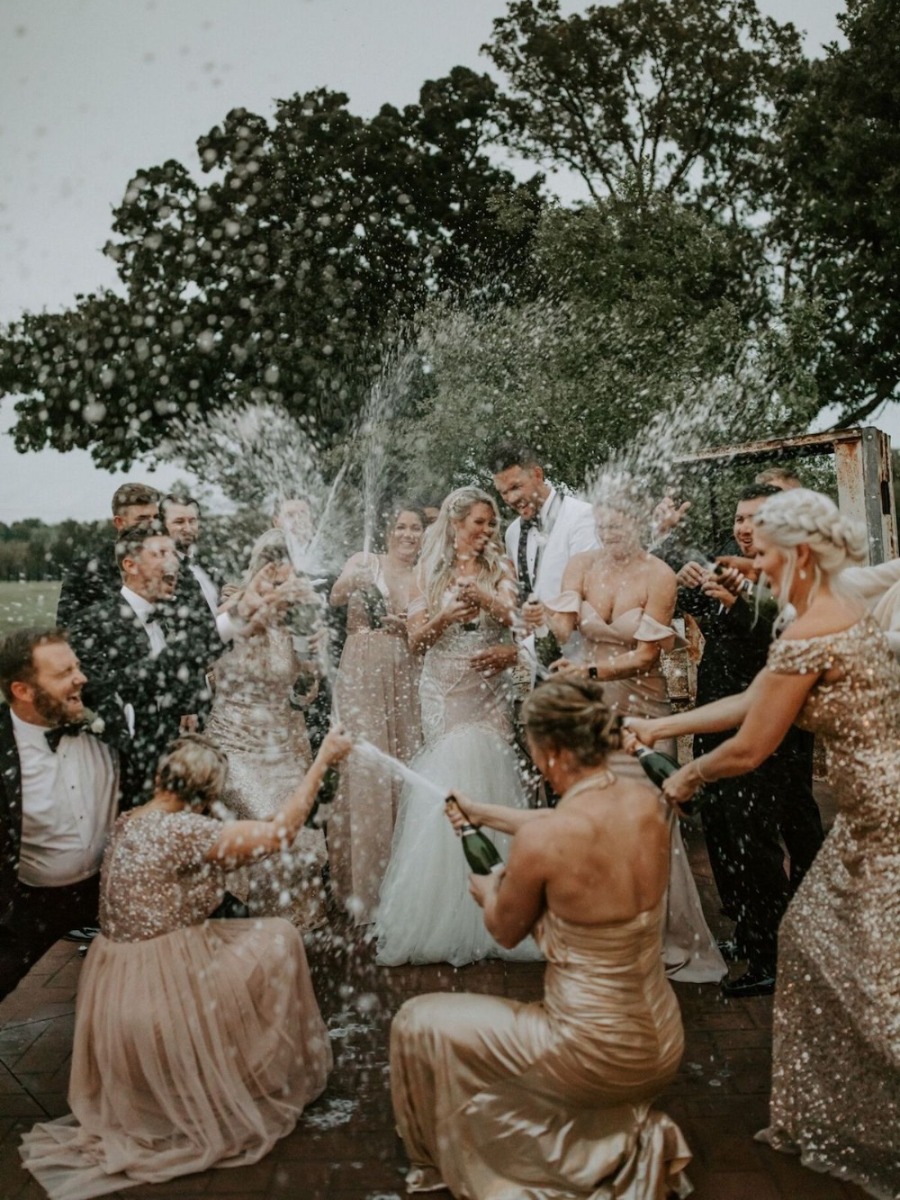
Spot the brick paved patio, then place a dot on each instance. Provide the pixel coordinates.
(345, 1147)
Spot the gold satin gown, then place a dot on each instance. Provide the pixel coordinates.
(500, 1100)
(836, 1036)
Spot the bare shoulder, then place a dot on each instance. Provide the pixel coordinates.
(582, 562)
(826, 615)
(555, 829)
(658, 571)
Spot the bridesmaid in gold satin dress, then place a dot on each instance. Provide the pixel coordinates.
(836, 1034)
(553, 1099)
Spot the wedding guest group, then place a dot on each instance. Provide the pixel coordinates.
(171, 732)
(835, 1091)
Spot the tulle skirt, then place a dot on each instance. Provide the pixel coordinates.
(425, 913)
(195, 1049)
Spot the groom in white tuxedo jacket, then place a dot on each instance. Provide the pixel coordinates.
(551, 527)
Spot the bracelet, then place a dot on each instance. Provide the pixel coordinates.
(700, 774)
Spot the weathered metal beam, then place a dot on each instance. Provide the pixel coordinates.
(862, 464)
(805, 446)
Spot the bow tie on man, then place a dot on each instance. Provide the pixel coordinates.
(55, 735)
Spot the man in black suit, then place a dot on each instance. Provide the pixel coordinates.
(745, 817)
(147, 659)
(198, 581)
(59, 793)
(95, 576)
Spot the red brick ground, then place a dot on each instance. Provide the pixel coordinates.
(345, 1147)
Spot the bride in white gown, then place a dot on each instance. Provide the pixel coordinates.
(464, 601)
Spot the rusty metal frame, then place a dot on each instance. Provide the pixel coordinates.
(862, 462)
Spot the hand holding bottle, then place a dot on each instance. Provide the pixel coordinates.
(534, 614)
(336, 745)
(640, 730)
(715, 589)
(481, 853)
(362, 575)
(692, 575)
(459, 610)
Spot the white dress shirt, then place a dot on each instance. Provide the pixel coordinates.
(207, 587)
(143, 610)
(68, 805)
(566, 529)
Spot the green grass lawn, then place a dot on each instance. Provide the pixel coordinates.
(32, 603)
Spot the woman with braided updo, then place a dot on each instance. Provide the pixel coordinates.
(497, 1098)
(836, 1074)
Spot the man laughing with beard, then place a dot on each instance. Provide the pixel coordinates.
(59, 791)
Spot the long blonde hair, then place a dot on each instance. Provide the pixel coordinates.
(439, 548)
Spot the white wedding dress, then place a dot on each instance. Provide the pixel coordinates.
(425, 913)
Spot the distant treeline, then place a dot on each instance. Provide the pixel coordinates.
(34, 550)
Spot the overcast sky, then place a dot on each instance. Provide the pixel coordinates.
(92, 90)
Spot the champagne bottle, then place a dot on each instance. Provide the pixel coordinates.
(658, 767)
(375, 606)
(546, 647)
(481, 853)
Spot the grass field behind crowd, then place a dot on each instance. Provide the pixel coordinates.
(31, 603)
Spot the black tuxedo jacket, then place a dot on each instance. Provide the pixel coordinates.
(87, 581)
(11, 811)
(114, 650)
(188, 590)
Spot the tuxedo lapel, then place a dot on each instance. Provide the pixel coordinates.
(11, 811)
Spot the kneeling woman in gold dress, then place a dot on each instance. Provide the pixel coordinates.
(496, 1098)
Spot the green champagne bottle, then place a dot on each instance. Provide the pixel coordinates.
(481, 853)
(658, 767)
(375, 606)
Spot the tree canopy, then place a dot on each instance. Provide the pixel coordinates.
(739, 249)
(281, 278)
(839, 207)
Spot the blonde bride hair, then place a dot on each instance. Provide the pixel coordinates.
(800, 517)
(439, 547)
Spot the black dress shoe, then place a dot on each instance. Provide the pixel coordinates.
(86, 933)
(751, 983)
(730, 950)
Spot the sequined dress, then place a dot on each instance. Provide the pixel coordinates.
(265, 739)
(197, 1043)
(500, 1100)
(425, 912)
(836, 1040)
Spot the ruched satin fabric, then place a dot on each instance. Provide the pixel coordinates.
(499, 1100)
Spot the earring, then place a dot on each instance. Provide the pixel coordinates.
(802, 573)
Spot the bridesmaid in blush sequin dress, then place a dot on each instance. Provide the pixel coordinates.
(836, 1045)
(836, 1034)
(197, 1043)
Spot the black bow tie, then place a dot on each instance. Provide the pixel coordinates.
(55, 735)
(160, 615)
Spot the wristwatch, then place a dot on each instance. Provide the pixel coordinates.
(592, 672)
